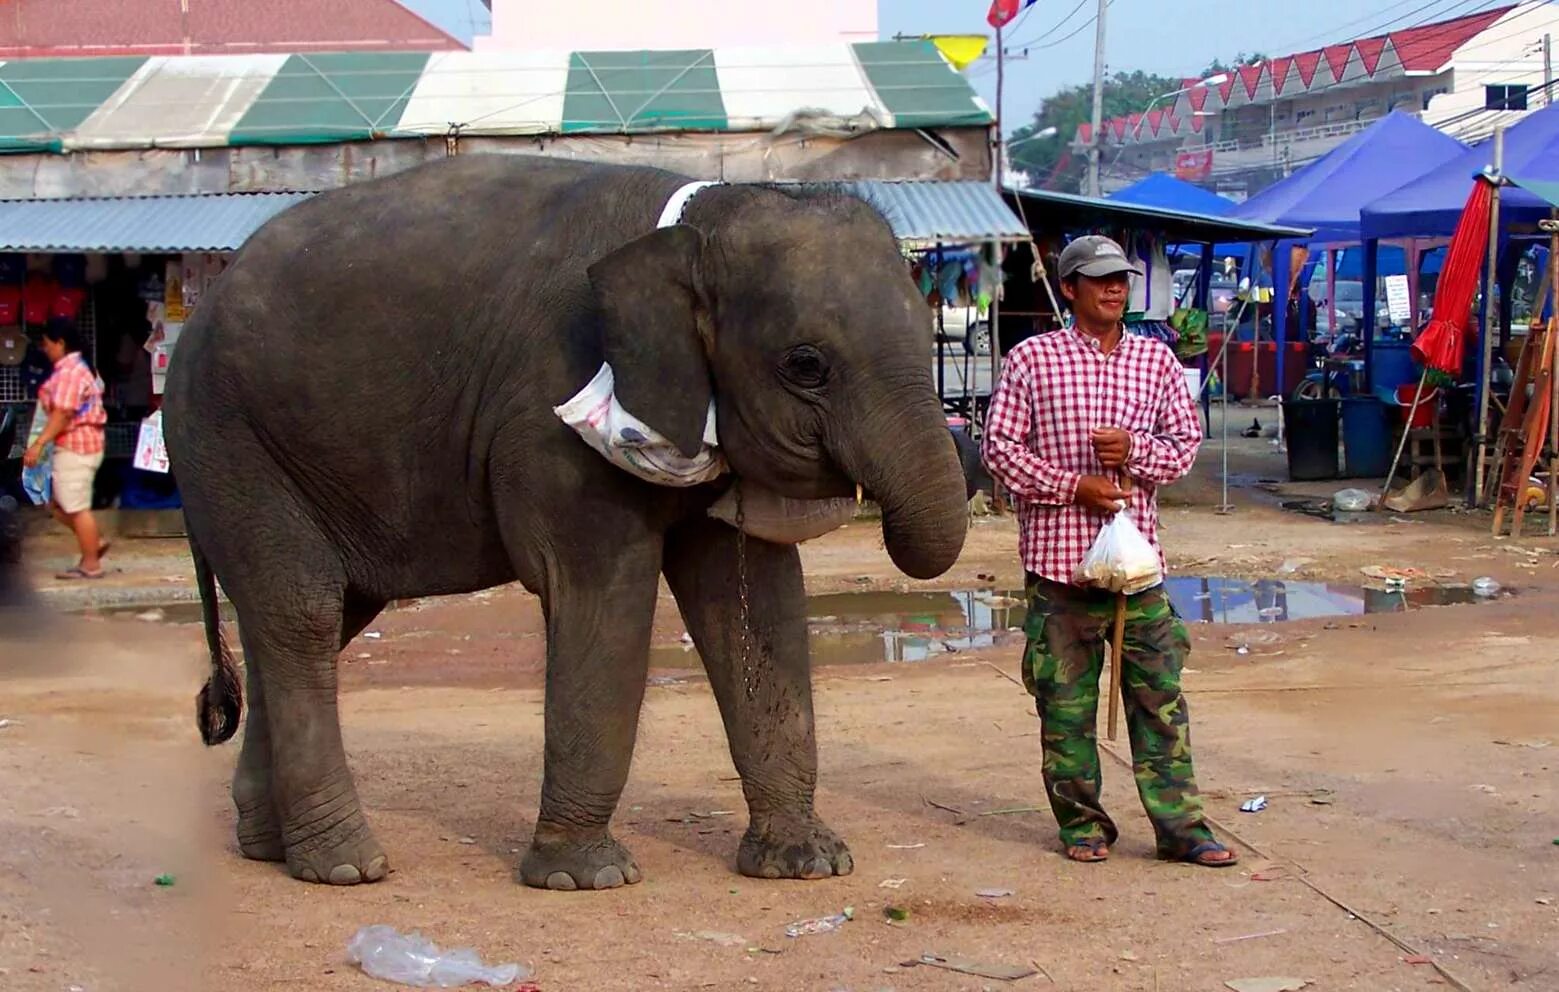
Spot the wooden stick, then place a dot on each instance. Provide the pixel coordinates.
(1116, 679)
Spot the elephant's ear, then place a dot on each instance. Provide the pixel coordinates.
(655, 316)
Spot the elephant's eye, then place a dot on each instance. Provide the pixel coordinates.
(805, 366)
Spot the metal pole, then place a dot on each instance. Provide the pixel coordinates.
(1223, 502)
(1491, 314)
(1001, 138)
(1553, 403)
(1098, 100)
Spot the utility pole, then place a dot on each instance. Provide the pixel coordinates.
(1094, 137)
(1548, 70)
(1001, 137)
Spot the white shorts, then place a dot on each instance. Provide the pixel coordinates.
(73, 475)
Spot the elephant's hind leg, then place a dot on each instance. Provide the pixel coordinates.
(600, 604)
(259, 825)
(290, 613)
(764, 690)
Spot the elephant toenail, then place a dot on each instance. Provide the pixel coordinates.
(610, 877)
(844, 864)
(377, 868)
(345, 875)
(632, 874)
(562, 881)
(771, 871)
(308, 875)
(817, 868)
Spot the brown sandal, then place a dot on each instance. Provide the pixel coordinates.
(1090, 850)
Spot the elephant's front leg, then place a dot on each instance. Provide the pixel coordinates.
(600, 604)
(764, 688)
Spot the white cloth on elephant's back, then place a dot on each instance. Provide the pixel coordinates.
(634, 446)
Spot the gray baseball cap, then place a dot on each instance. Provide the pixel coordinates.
(1095, 256)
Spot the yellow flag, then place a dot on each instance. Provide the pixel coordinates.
(960, 49)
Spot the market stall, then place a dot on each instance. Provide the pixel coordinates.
(1326, 196)
(127, 271)
(1431, 205)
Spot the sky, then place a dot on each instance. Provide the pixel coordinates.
(461, 18)
(1170, 37)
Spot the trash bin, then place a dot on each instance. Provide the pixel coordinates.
(1310, 428)
(1366, 437)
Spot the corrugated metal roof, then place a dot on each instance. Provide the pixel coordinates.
(931, 211)
(204, 222)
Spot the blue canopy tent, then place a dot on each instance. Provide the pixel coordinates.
(1160, 189)
(1431, 204)
(1327, 195)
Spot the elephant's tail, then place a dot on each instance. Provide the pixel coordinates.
(221, 699)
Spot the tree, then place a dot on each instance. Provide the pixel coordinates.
(1050, 160)
(1124, 93)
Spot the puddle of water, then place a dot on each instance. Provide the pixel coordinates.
(859, 628)
(877, 627)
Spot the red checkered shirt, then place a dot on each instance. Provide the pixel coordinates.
(1054, 389)
(73, 387)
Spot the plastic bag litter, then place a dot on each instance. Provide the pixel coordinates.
(412, 959)
(631, 444)
(1351, 501)
(768, 516)
(1121, 559)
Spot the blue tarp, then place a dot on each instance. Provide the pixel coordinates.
(1327, 194)
(1431, 204)
(1160, 189)
(1163, 190)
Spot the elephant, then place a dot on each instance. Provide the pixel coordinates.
(361, 410)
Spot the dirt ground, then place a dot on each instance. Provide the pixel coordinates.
(1430, 737)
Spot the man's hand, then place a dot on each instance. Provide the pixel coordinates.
(32, 456)
(1112, 445)
(1095, 492)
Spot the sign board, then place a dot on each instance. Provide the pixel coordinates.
(1399, 301)
(1195, 165)
(151, 455)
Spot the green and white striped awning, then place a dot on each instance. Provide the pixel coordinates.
(223, 100)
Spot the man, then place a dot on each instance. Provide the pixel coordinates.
(1076, 414)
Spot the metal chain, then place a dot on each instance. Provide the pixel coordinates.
(744, 604)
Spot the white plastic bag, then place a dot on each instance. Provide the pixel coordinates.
(1121, 559)
(634, 446)
(412, 959)
(768, 516)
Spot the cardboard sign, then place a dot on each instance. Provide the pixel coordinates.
(150, 453)
(1399, 301)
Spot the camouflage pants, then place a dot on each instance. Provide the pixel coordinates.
(1067, 629)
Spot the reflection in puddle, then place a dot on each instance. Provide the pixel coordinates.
(873, 627)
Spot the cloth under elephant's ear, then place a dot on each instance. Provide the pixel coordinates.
(634, 446)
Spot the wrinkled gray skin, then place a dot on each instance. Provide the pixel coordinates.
(361, 411)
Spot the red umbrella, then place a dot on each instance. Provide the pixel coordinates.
(1440, 344)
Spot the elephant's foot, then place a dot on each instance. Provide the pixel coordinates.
(259, 832)
(784, 846)
(259, 828)
(556, 862)
(340, 850)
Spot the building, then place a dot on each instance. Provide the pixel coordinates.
(79, 28)
(1261, 122)
(532, 25)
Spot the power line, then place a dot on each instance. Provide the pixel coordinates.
(1054, 28)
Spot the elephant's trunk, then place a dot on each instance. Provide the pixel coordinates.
(907, 461)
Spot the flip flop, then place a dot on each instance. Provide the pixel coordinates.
(74, 574)
(1198, 855)
(1090, 850)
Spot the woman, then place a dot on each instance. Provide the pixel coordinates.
(72, 397)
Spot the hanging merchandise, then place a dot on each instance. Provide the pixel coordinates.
(1153, 292)
(151, 455)
(1155, 330)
